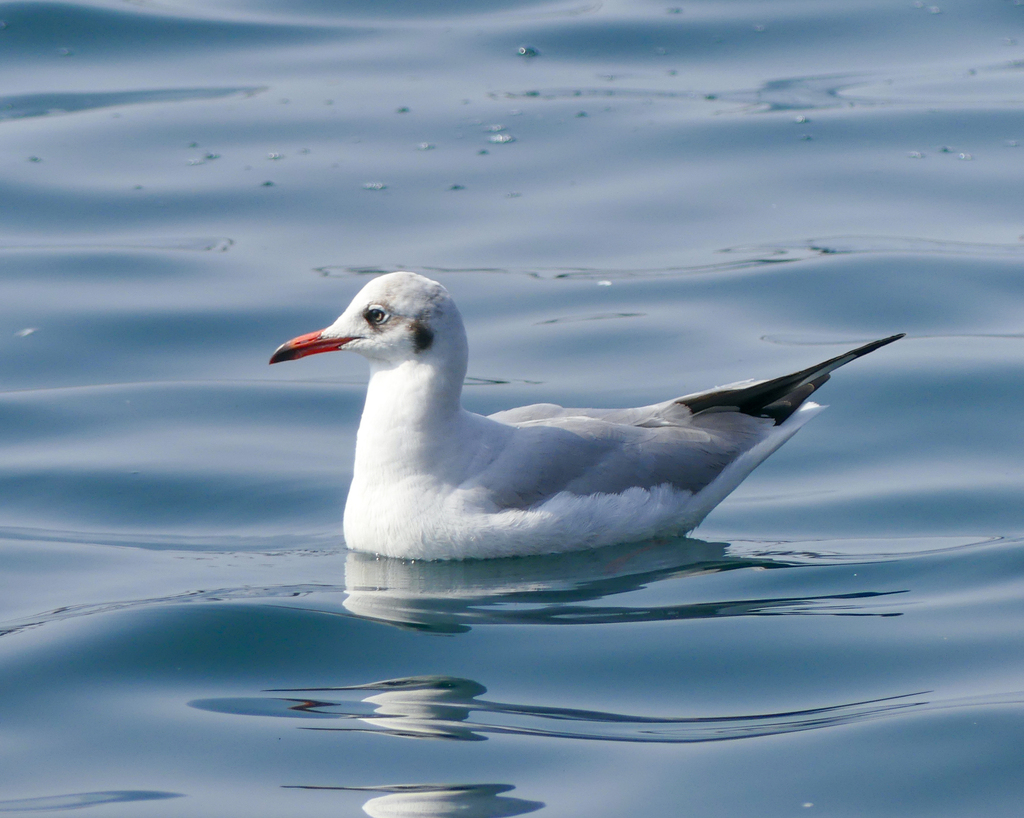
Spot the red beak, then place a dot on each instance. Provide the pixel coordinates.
(309, 344)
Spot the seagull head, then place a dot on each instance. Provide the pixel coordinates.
(395, 318)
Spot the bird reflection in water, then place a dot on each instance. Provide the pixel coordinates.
(604, 585)
(450, 597)
(447, 707)
(440, 800)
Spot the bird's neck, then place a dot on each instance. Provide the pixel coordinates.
(412, 414)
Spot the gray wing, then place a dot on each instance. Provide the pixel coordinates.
(685, 442)
(569, 450)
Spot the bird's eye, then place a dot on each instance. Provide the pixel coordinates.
(375, 315)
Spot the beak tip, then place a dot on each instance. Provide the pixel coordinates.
(282, 353)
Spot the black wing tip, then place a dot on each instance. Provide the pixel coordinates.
(881, 342)
(779, 398)
(781, 409)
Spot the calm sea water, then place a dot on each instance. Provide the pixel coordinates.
(629, 200)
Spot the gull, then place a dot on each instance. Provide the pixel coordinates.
(434, 481)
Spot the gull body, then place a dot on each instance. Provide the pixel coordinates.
(434, 481)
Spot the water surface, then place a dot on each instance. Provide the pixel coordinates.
(629, 201)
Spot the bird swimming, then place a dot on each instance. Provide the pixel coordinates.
(434, 481)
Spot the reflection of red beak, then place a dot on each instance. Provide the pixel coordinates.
(309, 344)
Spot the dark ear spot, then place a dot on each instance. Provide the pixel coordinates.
(422, 336)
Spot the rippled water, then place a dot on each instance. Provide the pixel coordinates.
(629, 201)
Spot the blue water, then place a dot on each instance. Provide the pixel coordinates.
(629, 201)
